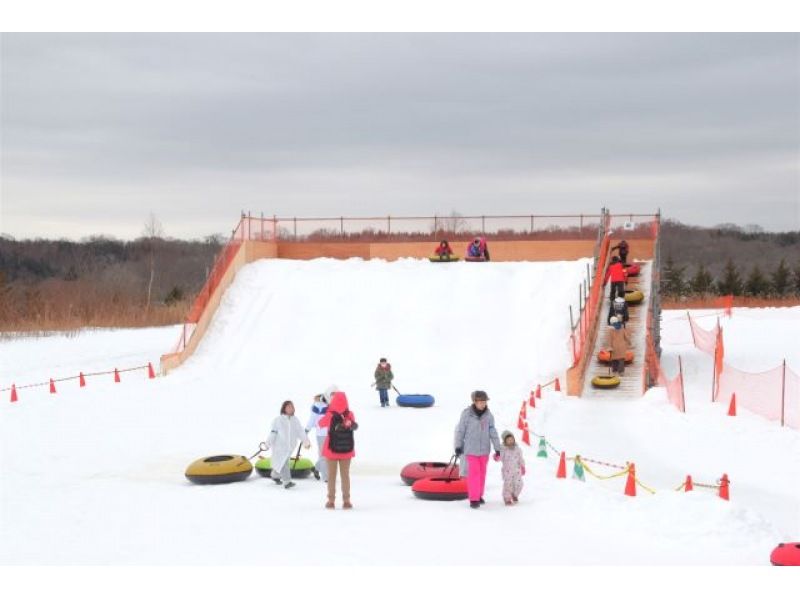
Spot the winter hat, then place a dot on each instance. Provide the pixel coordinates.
(479, 395)
(326, 396)
(505, 435)
(619, 301)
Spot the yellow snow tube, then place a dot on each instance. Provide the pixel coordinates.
(634, 296)
(605, 381)
(219, 469)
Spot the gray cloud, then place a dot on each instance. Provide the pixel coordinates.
(99, 130)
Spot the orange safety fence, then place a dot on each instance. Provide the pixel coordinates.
(674, 387)
(580, 334)
(773, 394)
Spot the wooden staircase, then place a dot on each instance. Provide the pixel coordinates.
(631, 385)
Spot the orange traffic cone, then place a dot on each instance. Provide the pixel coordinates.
(526, 437)
(630, 485)
(732, 407)
(558, 386)
(724, 484)
(523, 412)
(521, 423)
(13, 393)
(538, 391)
(562, 466)
(116, 375)
(687, 485)
(52, 387)
(82, 380)
(150, 373)
(532, 400)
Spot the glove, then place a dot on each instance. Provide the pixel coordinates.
(523, 470)
(459, 451)
(348, 424)
(307, 445)
(497, 456)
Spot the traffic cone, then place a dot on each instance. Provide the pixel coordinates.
(52, 387)
(82, 380)
(724, 484)
(116, 375)
(521, 423)
(542, 448)
(13, 393)
(732, 407)
(687, 485)
(150, 373)
(558, 386)
(526, 438)
(562, 466)
(577, 470)
(523, 412)
(630, 485)
(538, 391)
(532, 400)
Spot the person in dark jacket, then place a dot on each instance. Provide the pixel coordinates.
(444, 251)
(475, 436)
(383, 380)
(616, 273)
(619, 308)
(622, 246)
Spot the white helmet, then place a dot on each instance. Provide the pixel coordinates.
(614, 319)
(619, 300)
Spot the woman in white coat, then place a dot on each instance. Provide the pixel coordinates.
(283, 437)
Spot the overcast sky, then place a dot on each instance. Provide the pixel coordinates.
(100, 130)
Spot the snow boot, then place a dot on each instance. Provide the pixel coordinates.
(515, 499)
(347, 505)
(474, 504)
(330, 505)
(509, 503)
(277, 481)
(316, 473)
(483, 502)
(290, 485)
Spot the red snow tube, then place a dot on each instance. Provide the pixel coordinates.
(440, 488)
(633, 270)
(604, 356)
(786, 554)
(428, 469)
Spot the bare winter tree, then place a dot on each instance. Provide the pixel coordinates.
(451, 225)
(152, 231)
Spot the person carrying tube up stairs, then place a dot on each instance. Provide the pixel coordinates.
(620, 341)
(622, 246)
(318, 409)
(616, 273)
(286, 432)
(619, 308)
(383, 380)
(444, 251)
(478, 249)
(475, 436)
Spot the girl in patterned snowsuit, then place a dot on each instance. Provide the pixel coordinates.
(513, 468)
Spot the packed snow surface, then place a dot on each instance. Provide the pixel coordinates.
(94, 475)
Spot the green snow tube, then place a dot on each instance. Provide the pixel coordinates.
(300, 468)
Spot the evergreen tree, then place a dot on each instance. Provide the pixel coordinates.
(702, 281)
(797, 279)
(781, 283)
(731, 282)
(672, 282)
(757, 284)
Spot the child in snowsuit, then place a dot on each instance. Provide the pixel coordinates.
(618, 277)
(338, 458)
(283, 437)
(474, 437)
(318, 409)
(513, 468)
(444, 251)
(619, 308)
(383, 380)
(623, 251)
(620, 342)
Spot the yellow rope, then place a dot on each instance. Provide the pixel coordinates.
(599, 477)
(650, 490)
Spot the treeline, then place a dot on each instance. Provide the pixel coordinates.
(58, 285)
(729, 260)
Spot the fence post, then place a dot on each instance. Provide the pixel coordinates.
(341, 225)
(295, 228)
(262, 225)
(275, 228)
(483, 225)
(531, 224)
(783, 394)
(571, 320)
(389, 225)
(435, 226)
(680, 373)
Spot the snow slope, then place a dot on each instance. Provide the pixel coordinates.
(95, 475)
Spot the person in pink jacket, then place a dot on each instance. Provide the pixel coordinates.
(339, 447)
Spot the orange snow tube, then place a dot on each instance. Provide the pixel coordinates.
(604, 356)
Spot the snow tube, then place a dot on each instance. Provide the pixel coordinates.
(634, 296)
(440, 488)
(219, 469)
(787, 554)
(606, 381)
(633, 270)
(470, 258)
(300, 468)
(604, 356)
(436, 258)
(428, 469)
(414, 400)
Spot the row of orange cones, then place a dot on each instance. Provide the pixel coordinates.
(82, 381)
(630, 484)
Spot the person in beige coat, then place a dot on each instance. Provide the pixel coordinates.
(620, 340)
